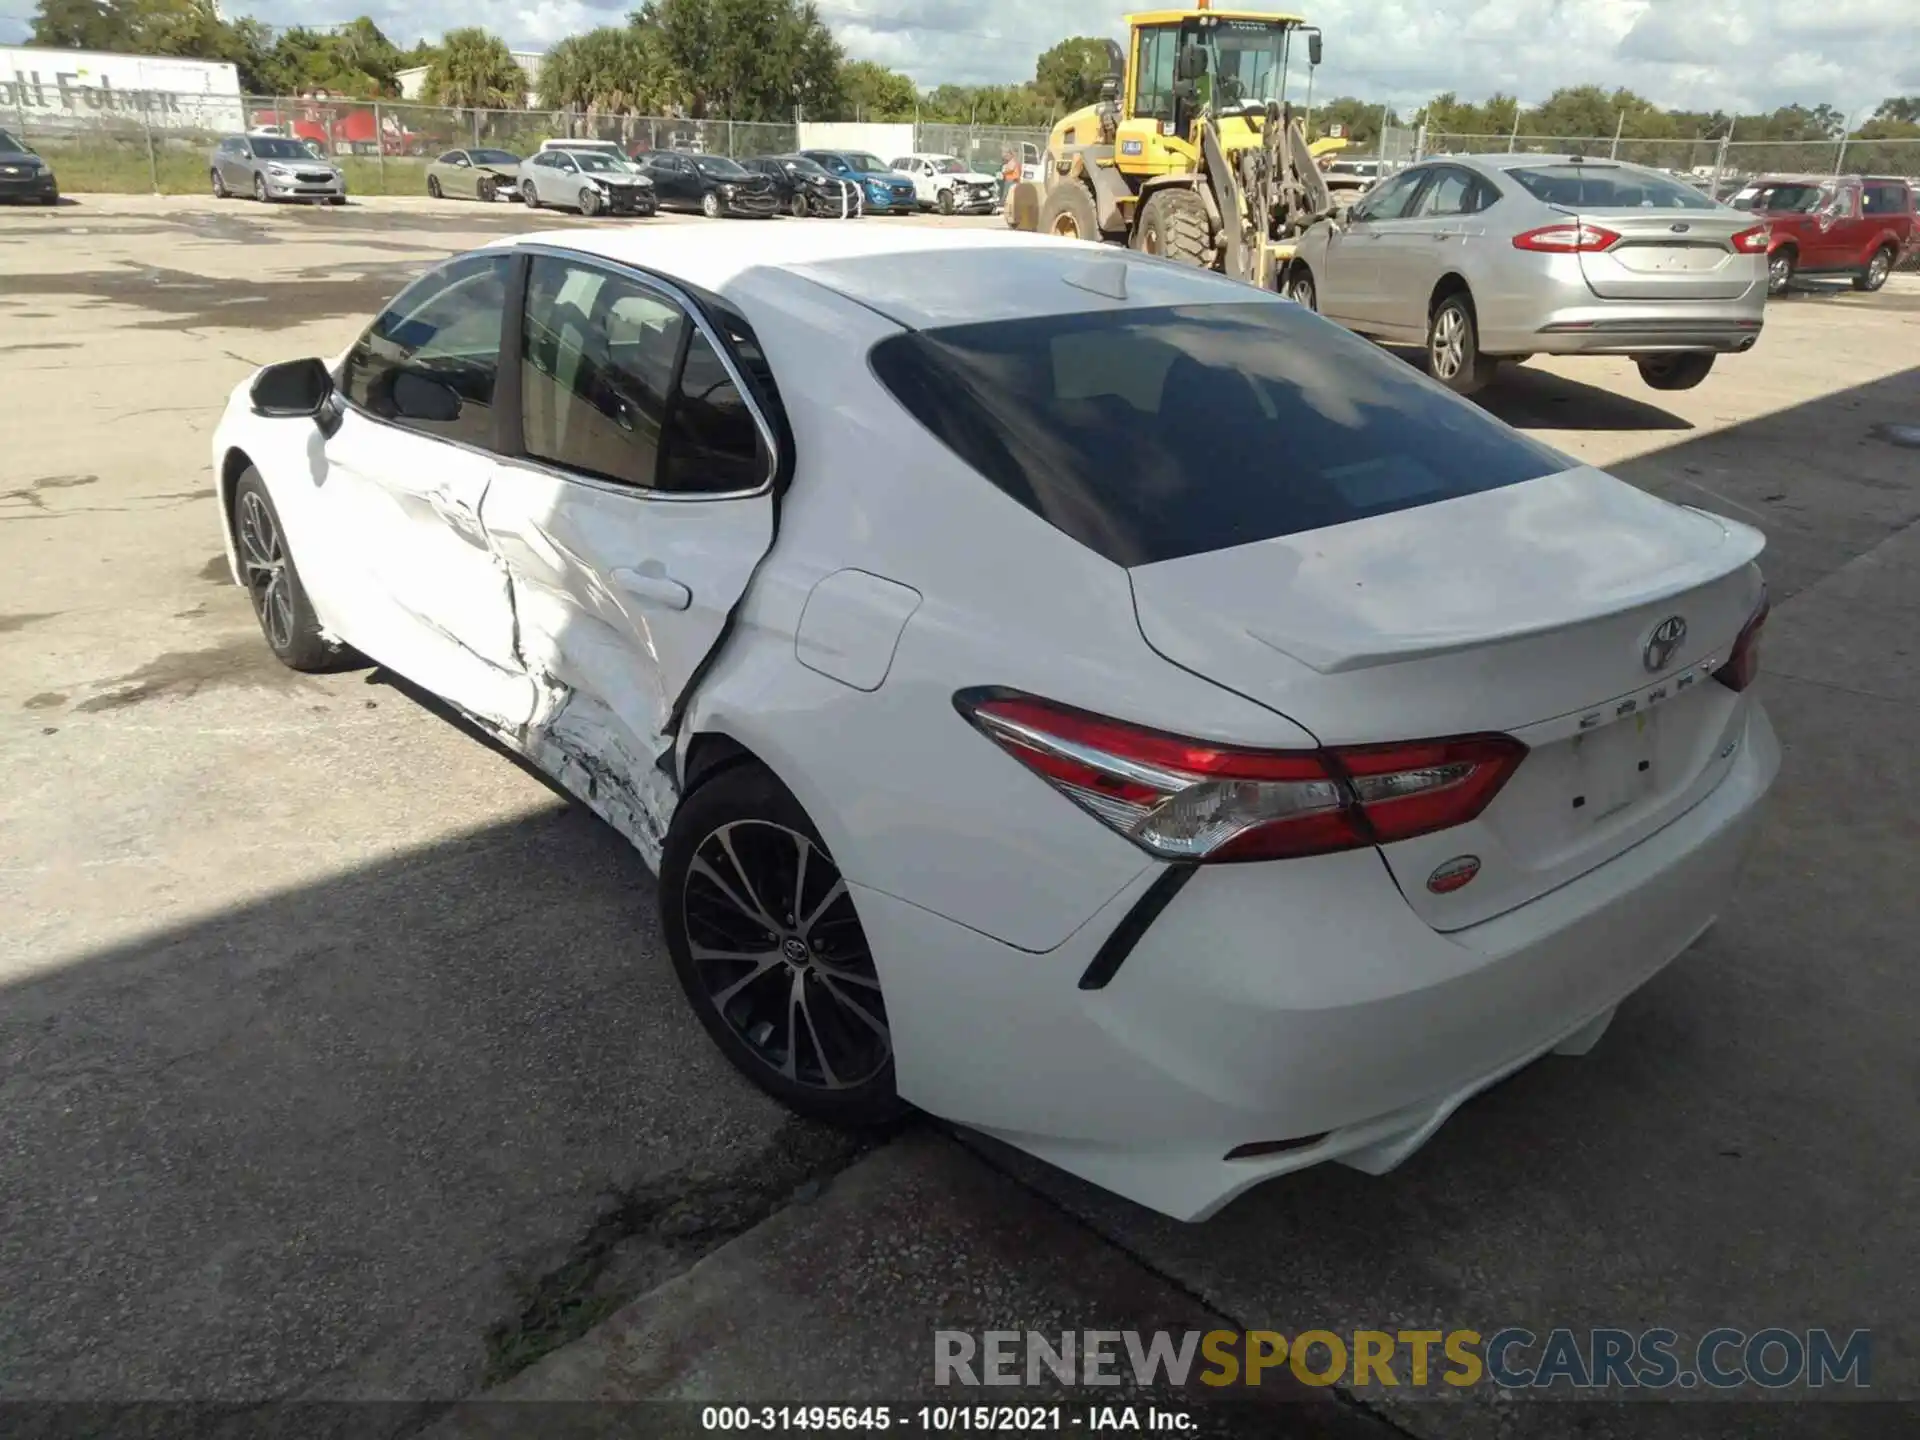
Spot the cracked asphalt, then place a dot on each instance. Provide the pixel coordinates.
(339, 1056)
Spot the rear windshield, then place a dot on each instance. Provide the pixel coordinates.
(1791, 198)
(1608, 187)
(1150, 434)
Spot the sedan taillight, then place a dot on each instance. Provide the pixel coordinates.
(1743, 661)
(1192, 800)
(1565, 239)
(1752, 241)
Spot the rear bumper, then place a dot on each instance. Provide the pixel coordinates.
(1300, 1001)
(1612, 333)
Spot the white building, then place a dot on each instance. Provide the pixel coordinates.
(54, 89)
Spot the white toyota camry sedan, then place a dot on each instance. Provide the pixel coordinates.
(1077, 695)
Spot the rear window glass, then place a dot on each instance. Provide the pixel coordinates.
(1150, 434)
(1608, 187)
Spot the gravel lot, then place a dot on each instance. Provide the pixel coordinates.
(339, 1056)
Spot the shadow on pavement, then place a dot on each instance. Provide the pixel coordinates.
(1532, 399)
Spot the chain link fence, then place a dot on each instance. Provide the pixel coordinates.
(149, 141)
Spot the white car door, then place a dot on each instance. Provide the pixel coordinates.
(401, 481)
(631, 526)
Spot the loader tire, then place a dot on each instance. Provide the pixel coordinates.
(1174, 225)
(1068, 212)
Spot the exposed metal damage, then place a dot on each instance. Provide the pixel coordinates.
(579, 742)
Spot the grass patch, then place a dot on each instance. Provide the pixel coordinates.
(125, 168)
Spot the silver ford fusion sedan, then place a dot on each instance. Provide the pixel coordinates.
(1480, 258)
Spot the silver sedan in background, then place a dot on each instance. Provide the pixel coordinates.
(274, 167)
(1480, 258)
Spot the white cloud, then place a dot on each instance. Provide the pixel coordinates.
(1697, 54)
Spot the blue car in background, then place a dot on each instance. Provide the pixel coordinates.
(883, 190)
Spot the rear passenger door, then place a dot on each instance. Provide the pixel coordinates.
(630, 523)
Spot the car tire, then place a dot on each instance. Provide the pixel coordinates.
(1300, 289)
(1781, 265)
(483, 189)
(798, 207)
(272, 582)
(433, 187)
(945, 201)
(1067, 211)
(710, 205)
(1173, 225)
(745, 873)
(530, 196)
(220, 191)
(589, 202)
(1453, 346)
(1675, 372)
(1875, 272)
(260, 188)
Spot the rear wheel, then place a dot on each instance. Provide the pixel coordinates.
(769, 949)
(1453, 347)
(433, 187)
(1675, 372)
(1780, 268)
(1877, 270)
(1067, 211)
(1173, 224)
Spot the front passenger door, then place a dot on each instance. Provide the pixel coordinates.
(1351, 288)
(632, 525)
(402, 481)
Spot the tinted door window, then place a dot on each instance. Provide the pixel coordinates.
(596, 368)
(1392, 199)
(1451, 193)
(713, 443)
(1157, 47)
(1150, 434)
(444, 333)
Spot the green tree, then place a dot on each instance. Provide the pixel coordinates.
(746, 59)
(869, 91)
(1899, 110)
(1069, 74)
(83, 24)
(1359, 120)
(615, 70)
(474, 70)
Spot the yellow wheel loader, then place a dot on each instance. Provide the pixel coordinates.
(1193, 151)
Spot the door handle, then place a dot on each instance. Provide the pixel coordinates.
(652, 585)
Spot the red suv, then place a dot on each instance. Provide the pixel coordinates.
(1854, 225)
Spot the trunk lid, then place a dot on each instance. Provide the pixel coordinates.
(1670, 255)
(1527, 610)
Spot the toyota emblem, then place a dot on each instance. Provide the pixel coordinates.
(1664, 643)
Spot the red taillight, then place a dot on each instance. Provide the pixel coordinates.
(1182, 799)
(1753, 241)
(1743, 661)
(1565, 239)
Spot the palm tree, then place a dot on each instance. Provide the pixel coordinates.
(475, 71)
(615, 70)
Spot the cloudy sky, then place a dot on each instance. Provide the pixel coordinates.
(1700, 54)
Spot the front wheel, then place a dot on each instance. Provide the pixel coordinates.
(1174, 224)
(798, 207)
(433, 187)
(220, 191)
(946, 204)
(483, 190)
(1067, 211)
(1453, 347)
(530, 196)
(1877, 270)
(769, 949)
(1300, 290)
(710, 205)
(589, 203)
(260, 188)
(280, 601)
(1675, 372)
(1780, 268)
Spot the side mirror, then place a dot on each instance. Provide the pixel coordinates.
(290, 389)
(420, 397)
(1110, 89)
(1314, 51)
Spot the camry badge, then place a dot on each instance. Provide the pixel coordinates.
(1664, 643)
